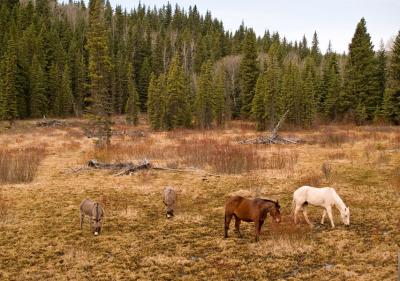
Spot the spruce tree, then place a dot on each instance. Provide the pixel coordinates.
(154, 101)
(100, 101)
(258, 105)
(37, 79)
(333, 90)
(381, 68)
(219, 104)
(177, 110)
(132, 107)
(315, 51)
(204, 99)
(143, 84)
(64, 102)
(274, 92)
(248, 72)
(8, 84)
(54, 89)
(391, 105)
(362, 85)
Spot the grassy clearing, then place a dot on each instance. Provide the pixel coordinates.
(39, 221)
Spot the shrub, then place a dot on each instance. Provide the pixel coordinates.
(326, 170)
(222, 157)
(20, 165)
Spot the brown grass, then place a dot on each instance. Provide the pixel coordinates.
(226, 158)
(20, 165)
(41, 239)
(4, 206)
(311, 179)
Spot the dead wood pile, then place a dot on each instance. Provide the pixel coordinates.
(274, 138)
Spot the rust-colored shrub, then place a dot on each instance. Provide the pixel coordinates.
(20, 165)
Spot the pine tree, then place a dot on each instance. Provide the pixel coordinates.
(315, 51)
(258, 105)
(391, 105)
(381, 69)
(308, 110)
(273, 93)
(204, 99)
(177, 111)
(64, 101)
(333, 90)
(362, 85)
(54, 89)
(132, 107)
(99, 72)
(8, 84)
(37, 79)
(143, 84)
(248, 72)
(220, 105)
(154, 101)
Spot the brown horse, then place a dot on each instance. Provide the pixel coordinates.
(250, 211)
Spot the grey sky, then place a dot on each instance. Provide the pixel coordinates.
(333, 20)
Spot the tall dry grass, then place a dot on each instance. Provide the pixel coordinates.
(20, 165)
(221, 157)
(4, 206)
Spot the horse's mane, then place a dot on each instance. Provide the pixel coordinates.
(271, 201)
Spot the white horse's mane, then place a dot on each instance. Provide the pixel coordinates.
(338, 201)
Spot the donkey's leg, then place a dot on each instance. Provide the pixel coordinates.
(237, 226)
(329, 211)
(323, 216)
(81, 217)
(306, 217)
(228, 218)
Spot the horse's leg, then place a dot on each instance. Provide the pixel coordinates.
(296, 211)
(323, 216)
(306, 217)
(228, 218)
(257, 229)
(237, 226)
(329, 211)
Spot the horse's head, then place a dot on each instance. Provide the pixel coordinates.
(345, 214)
(275, 212)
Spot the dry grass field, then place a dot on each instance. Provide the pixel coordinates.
(40, 237)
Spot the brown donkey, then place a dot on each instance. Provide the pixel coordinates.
(95, 213)
(250, 211)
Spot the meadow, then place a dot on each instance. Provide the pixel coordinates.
(41, 188)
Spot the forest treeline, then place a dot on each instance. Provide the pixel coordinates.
(183, 69)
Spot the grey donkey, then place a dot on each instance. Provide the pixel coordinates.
(95, 212)
(169, 201)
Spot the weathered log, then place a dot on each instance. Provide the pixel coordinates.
(275, 131)
(126, 168)
(50, 123)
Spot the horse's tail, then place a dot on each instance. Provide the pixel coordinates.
(293, 206)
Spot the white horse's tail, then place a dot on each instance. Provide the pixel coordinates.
(293, 206)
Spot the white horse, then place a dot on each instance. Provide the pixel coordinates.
(325, 197)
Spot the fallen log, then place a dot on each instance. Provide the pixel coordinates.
(126, 168)
(50, 123)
